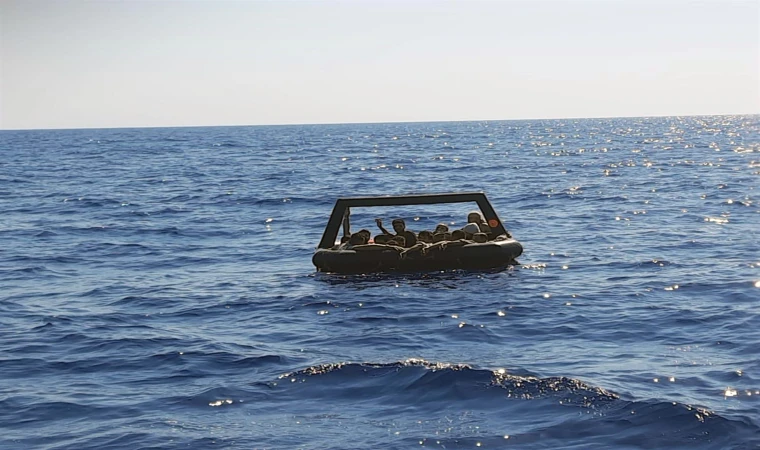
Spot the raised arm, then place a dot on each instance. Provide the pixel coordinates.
(347, 222)
(379, 223)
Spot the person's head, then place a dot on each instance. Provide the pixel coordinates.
(470, 229)
(366, 234)
(425, 236)
(480, 237)
(441, 228)
(398, 225)
(457, 234)
(356, 239)
(438, 237)
(398, 240)
(474, 217)
(382, 239)
(447, 236)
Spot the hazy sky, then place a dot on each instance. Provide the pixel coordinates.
(71, 64)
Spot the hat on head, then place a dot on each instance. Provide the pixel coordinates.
(471, 228)
(477, 213)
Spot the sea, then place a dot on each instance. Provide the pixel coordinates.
(157, 289)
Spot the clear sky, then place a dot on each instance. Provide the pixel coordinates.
(73, 63)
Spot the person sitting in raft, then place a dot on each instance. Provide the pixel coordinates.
(459, 238)
(425, 236)
(343, 241)
(380, 248)
(382, 238)
(414, 250)
(477, 218)
(457, 235)
(397, 240)
(441, 241)
(480, 238)
(357, 242)
(436, 244)
(429, 237)
(389, 239)
(365, 234)
(440, 237)
(469, 230)
(420, 249)
(353, 240)
(399, 226)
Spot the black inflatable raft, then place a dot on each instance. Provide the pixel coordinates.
(499, 251)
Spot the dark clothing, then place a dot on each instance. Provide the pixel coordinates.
(409, 237)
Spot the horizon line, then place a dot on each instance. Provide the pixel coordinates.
(132, 127)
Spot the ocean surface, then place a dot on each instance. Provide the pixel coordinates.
(157, 290)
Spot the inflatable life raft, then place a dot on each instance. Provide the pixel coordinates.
(500, 251)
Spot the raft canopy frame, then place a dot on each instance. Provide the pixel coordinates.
(336, 218)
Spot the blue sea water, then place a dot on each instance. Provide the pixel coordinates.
(157, 289)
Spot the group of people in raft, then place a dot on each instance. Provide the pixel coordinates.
(408, 243)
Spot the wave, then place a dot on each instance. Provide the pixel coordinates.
(433, 380)
(583, 415)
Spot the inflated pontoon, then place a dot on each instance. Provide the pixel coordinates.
(500, 250)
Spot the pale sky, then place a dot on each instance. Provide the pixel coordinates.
(136, 63)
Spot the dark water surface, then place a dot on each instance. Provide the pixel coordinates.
(158, 292)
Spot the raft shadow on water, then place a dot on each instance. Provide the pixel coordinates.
(361, 281)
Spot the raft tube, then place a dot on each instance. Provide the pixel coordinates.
(475, 256)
